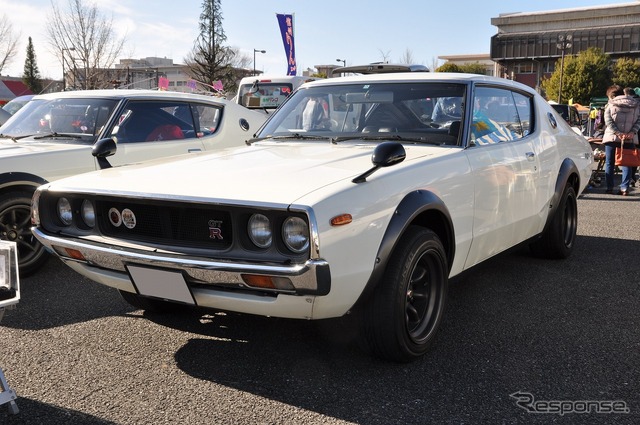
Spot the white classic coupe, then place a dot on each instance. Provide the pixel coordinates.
(53, 134)
(359, 195)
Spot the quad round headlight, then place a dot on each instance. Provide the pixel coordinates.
(65, 212)
(295, 234)
(259, 229)
(88, 214)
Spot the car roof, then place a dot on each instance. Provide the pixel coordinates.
(421, 77)
(379, 68)
(130, 94)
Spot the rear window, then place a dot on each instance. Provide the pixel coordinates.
(261, 95)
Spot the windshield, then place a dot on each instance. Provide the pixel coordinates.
(419, 112)
(81, 118)
(267, 95)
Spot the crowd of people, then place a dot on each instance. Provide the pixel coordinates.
(621, 125)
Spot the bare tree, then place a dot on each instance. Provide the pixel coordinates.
(8, 42)
(407, 57)
(85, 42)
(435, 64)
(385, 55)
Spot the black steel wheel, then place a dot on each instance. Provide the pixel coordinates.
(401, 319)
(559, 237)
(15, 226)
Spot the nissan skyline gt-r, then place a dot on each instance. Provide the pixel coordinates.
(52, 137)
(359, 195)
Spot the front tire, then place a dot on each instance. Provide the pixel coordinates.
(559, 237)
(15, 226)
(404, 313)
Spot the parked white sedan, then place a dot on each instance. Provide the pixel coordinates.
(52, 137)
(360, 194)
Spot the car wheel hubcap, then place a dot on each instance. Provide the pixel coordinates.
(14, 227)
(423, 296)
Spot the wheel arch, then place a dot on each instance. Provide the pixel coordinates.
(567, 174)
(20, 181)
(422, 208)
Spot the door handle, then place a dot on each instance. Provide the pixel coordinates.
(530, 156)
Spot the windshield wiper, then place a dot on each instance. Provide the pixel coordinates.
(293, 136)
(16, 138)
(54, 134)
(6, 136)
(394, 137)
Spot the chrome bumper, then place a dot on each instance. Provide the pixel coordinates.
(310, 278)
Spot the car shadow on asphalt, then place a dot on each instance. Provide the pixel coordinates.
(34, 412)
(513, 323)
(57, 296)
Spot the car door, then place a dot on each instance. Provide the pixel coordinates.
(505, 168)
(152, 129)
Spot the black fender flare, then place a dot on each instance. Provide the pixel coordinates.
(20, 179)
(567, 170)
(416, 207)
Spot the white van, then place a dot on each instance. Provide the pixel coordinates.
(263, 92)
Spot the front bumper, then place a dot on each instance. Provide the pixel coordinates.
(107, 264)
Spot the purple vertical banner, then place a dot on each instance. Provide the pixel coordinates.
(286, 29)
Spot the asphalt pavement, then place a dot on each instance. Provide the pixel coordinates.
(524, 340)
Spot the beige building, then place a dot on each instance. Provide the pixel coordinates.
(527, 46)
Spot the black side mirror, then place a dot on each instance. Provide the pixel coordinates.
(102, 149)
(385, 154)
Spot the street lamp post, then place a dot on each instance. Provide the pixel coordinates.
(254, 58)
(564, 43)
(344, 61)
(64, 81)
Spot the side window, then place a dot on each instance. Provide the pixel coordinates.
(147, 121)
(499, 115)
(206, 118)
(525, 113)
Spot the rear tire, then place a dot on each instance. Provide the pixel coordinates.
(15, 226)
(401, 319)
(559, 237)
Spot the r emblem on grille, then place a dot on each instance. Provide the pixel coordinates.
(215, 229)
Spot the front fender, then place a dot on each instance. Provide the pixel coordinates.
(420, 207)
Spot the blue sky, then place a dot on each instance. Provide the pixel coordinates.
(358, 31)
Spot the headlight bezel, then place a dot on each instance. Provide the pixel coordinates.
(66, 216)
(263, 223)
(83, 214)
(295, 227)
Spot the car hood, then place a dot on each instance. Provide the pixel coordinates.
(10, 148)
(273, 173)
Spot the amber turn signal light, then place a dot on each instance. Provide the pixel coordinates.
(341, 219)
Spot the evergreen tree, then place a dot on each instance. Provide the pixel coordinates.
(626, 72)
(474, 68)
(585, 75)
(448, 67)
(210, 60)
(31, 77)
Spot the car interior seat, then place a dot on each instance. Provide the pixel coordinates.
(166, 132)
(454, 130)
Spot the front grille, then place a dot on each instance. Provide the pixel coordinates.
(166, 224)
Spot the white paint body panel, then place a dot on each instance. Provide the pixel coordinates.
(496, 196)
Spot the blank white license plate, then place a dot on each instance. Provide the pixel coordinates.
(158, 283)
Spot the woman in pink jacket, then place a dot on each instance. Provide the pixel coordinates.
(622, 122)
